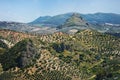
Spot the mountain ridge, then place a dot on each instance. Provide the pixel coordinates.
(87, 17)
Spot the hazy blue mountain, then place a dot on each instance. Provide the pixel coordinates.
(102, 18)
(91, 18)
(52, 20)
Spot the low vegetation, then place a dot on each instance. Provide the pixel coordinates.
(86, 55)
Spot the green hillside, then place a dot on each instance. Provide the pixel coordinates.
(85, 55)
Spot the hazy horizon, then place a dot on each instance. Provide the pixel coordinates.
(28, 10)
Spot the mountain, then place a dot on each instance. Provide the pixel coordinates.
(75, 20)
(101, 18)
(52, 21)
(73, 24)
(85, 55)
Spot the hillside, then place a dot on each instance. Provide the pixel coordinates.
(14, 36)
(85, 55)
(21, 55)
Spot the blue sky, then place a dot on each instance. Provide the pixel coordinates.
(28, 10)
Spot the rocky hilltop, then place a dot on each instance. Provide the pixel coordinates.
(74, 23)
(75, 20)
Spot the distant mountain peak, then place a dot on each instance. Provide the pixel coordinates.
(76, 14)
(77, 17)
(75, 20)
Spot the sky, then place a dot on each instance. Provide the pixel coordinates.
(28, 10)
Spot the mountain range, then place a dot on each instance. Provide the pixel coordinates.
(69, 23)
(100, 18)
